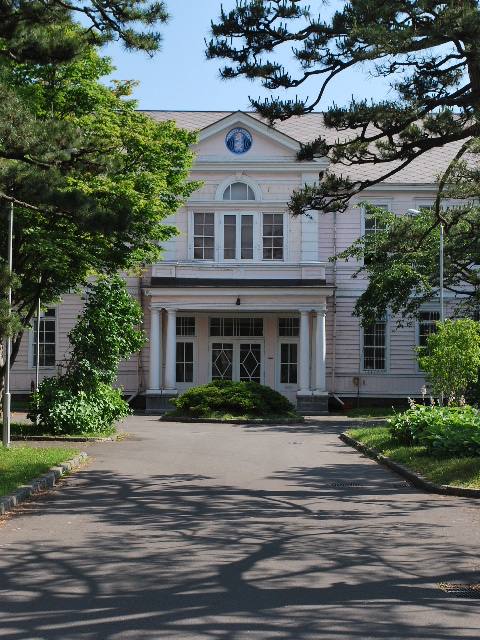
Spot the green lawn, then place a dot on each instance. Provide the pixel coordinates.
(460, 472)
(19, 465)
(371, 412)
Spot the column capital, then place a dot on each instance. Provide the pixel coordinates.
(321, 310)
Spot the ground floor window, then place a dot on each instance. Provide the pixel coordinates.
(288, 363)
(48, 339)
(184, 368)
(375, 346)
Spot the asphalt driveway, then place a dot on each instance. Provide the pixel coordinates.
(227, 532)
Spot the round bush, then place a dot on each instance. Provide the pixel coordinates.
(237, 399)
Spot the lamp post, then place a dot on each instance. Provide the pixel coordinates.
(416, 212)
(6, 390)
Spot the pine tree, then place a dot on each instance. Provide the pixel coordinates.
(429, 52)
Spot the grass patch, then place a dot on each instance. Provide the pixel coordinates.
(28, 429)
(19, 465)
(449, 470)
(370, 412)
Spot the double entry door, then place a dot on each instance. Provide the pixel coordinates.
(237, 359)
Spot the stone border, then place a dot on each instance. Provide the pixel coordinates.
(112, 438)
(299, 420)
(46, 481)
(418, 481)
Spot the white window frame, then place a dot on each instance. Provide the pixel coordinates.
(238, 177)
(387, 350)
(429, 309)
(384, 204)
(33, 339)
(191, 338)
(218, 251)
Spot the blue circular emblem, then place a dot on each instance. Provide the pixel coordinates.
(239, 140)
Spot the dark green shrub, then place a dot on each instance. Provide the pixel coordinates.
(442, 430)
(241, 399)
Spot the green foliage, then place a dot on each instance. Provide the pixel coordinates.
(445, 470)
(82, 400)
(451, 358)
(428, 52)
(442, 430)
(237, 399)
(91, 178)
(66, 409)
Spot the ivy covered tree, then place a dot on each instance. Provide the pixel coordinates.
(91, 179)
(429, 53)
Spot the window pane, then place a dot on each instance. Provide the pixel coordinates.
(288, 363)
(239, 191)
(273, 239)
(247, 237)
(47, 335)
(203, 236)
(229, 237)
(427, 325)
(184, 368)
(250, 362)
(289, 327)
(375, 346)
(222, 358)
(185, 326)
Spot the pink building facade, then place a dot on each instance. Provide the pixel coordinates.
(246, 292)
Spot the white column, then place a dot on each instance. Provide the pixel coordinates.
(304, 353)
(155, 349)
(320, 351)
(170, 349)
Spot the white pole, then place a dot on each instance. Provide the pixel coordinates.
(6, 392)
(442, 310)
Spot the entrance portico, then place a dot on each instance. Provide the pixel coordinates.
(266, 331)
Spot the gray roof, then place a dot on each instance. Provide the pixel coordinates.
(422, 171)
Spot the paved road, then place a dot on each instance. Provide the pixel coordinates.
(208, 532)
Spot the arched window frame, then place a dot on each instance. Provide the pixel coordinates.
(238, 178)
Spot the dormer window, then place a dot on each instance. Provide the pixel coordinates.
(238, 191)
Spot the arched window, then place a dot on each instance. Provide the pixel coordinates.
(238, 191)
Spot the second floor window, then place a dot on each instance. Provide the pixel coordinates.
(238, 236)
(204, 236)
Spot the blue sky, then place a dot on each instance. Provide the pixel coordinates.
(179, 77)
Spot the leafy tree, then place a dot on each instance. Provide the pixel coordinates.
(451, 358)
(96, 208)
(429, 53)
(82, 399)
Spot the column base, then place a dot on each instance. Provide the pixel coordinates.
(157, 401)
(313, 404)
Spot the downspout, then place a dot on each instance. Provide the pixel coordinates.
(334, 339)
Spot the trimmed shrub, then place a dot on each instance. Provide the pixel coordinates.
(442, 430)
(238, 399)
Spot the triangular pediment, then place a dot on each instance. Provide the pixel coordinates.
(243, 137)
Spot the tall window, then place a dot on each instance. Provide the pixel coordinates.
(203, 236)
(372, 226)
(272, 236)
(288, 333)
(185, 326)
(47, 339)
(238, 236)
(375, 346)
(426, 325)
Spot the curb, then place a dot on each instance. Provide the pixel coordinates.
(46, 481)
(299, 420)
(113, 438)
(418, 481)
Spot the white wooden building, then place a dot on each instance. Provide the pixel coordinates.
(246, 292)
